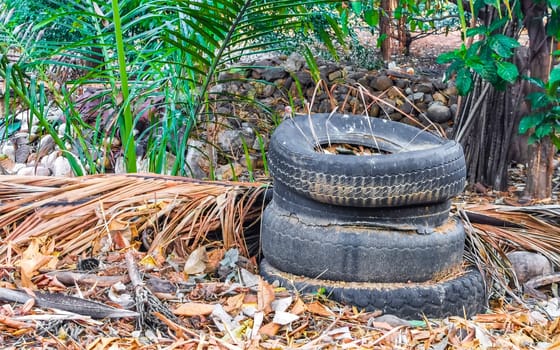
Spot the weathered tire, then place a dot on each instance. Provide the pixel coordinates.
(422, 218)
(420, 169)
(459, 296)
(317, 248)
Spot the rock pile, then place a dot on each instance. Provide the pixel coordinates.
(393, 94)
(277, 82)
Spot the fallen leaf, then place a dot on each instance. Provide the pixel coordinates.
(270, 329)
(234, 303)
(149, 262)
(32, 260)
(214, 257)
(265, 297)
(521, 340)
(299, 307)
(319, 309)
(284, 318)
(196, 262)
(340, 333)
(393, 320)
(281, 305)
(194, 309)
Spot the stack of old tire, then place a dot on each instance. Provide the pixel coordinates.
(372, 230)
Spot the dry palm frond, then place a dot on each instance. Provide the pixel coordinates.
(495, 230)
(85, 213)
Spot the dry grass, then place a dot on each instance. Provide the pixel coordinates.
(88, 213)
(94, 215)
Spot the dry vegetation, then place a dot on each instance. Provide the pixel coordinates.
(162, 246)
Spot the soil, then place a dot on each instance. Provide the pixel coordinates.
(423, 52)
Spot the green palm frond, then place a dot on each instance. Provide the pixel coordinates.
(173, 49)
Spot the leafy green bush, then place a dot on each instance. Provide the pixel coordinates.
(172, 52)
(32, 12)
(544, 119)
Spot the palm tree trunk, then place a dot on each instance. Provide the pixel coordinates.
(540, 170)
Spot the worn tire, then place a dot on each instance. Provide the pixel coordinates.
(317, 248)
(420, 168)
(459, 296)
(422, 218)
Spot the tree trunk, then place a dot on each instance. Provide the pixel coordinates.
(385, 29)
(540, 170)
(487, 121)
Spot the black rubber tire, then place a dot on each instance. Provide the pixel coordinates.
(459, 296)
(421, 168)
(317, 248)
(421, 218)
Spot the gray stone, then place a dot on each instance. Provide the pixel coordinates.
(55, 114)
(267, 91)
(439, 84)
(355, 75)
(304, 78)
(248, 134)
(425, 87)
(325, 106)
(381, 83)
(417, 96)
(34, 171)
(274, 73)
(47, 144)
(230, 140)
(294, 62)
(406, 107)
(438, 113)
(335, 75)
(61, 167)
(402, 83)
(22, 147)
(194, 159)
(528, 265)
(453, 108)
(388, 107)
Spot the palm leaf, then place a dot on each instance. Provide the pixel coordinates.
(85, 214)
(495, 230)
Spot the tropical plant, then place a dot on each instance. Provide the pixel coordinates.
(544, 118)
(403, 21)
(160, 62)
(490, 113)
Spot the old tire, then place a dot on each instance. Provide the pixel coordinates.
(458, 296)
(420, 168)
(316, 247)
(422, 218)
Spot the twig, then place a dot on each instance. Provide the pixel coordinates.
(70, 278)
(66, 303)
(311, 344)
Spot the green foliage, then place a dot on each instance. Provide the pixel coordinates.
(544, 119)
(419, 16)
(489, 57)
(24, 77)
(33, 11)
(172, 53)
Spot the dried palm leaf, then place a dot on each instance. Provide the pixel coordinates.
(495, 230)
(87, 213)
